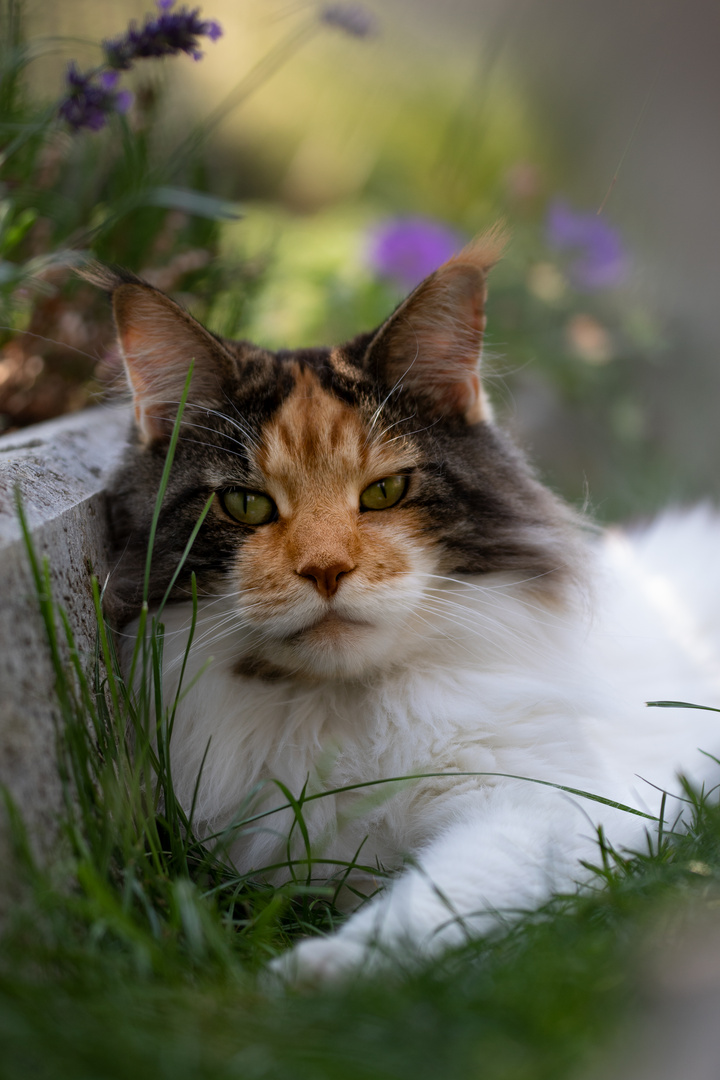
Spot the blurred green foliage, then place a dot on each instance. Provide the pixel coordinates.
(566, 367)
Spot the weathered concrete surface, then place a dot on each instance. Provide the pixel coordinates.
(60, 469)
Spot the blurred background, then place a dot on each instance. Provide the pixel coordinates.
(296, 181)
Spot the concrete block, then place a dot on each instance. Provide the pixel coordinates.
(60, 468)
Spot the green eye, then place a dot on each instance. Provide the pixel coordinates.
(248, 507)
(384, 493)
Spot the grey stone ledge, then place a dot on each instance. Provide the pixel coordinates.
(58, 465)
(60, 469)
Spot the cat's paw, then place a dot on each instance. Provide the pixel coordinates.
(324, 960)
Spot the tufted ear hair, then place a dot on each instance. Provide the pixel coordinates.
(158, 340)
(431, 344)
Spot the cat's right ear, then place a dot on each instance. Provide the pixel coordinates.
(159, 340)
(431, 343)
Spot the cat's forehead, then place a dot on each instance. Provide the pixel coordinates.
(316, 435)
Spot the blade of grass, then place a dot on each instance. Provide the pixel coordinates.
(169, 457)
(679, 705)
(238, 824)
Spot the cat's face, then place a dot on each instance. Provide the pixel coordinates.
(328, 580)
(347, 484)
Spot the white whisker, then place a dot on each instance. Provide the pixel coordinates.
(214, 431)
(407, 434)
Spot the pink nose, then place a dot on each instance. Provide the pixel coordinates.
(327, 578)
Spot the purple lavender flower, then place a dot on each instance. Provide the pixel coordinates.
(109, 79)
(601, 259)
(352, 18)
(166, 34)
(408, 249)
(91, 99)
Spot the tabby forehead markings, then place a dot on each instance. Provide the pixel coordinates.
(314, 447)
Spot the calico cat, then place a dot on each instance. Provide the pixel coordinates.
(385, 591)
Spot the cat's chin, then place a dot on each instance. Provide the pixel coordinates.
(328, 629)
(333, 647)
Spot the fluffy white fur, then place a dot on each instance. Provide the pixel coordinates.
(481, 678)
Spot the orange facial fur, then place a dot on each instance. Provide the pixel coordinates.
(323, 559)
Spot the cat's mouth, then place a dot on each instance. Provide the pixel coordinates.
(328, 625)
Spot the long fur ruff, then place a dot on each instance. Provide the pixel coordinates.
(499, 686)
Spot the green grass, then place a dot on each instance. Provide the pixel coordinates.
(138, 952)
(84, 995)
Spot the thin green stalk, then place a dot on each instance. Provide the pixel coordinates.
(263, 70)
(164, 480)
(298, 818)
(41, 579)
(104, 643)
(238, 824)
(186, 654)
(183, 557)
(679, 705)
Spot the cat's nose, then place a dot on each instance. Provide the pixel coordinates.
(327, 578)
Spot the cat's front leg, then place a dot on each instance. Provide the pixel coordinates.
(508, 851)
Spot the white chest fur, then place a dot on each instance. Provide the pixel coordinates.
(507, 688)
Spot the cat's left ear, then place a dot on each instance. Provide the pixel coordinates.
(159, 340)
(431, 344)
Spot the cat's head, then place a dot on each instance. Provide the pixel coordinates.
(350, 483)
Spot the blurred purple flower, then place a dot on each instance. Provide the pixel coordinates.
(408, 249)
(91, 99)
(352, 18)
(123, 101)
(109, 79)
(166, 34)
(601, 257)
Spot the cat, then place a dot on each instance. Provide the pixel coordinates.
(386, 590)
